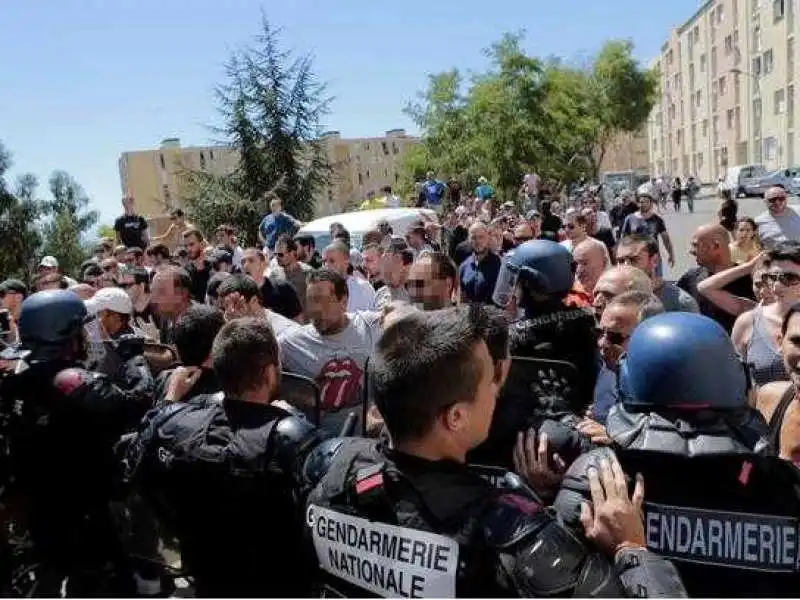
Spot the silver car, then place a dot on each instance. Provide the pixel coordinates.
(788, 179)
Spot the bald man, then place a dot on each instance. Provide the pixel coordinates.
(711, 250)
(616, 281)
(478, 273)
(591, 259)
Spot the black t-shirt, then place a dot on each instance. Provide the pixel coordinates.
(462, 252)
(130, 229)
(742, 287)
(281, 297)
(200, 279)
(552, 223)
(607, 237)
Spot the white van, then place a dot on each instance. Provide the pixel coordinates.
(359, 222)
(737, 178)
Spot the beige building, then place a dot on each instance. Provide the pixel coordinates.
(361, 166)
(627, 152)
(727, 97)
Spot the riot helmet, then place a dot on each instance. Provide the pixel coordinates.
(682, 361)
(541, 266)
(48, 321)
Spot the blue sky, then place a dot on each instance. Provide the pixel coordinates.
(84, 80)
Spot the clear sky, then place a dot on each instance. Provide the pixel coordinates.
(83, 80)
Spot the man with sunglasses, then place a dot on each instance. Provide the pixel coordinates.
(617, 323)
(779, 223)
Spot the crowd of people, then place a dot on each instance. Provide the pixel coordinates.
(511, 399)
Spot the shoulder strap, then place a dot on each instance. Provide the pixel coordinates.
(139, 446)
(776, 420)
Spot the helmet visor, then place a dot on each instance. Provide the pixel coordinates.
(506, 283)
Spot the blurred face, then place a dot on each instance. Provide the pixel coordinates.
(372, 262)
(166, 298)
(761, 286)
(479, 239)
(495, 239)
(645, 203)
(194, 248)
(284, 256)
(11, 301)
(325, 311)
(110, 322)
(304, 253)
(426, 291)
(703, 249)
(523, 233)
(336, 260)
(223, 238)
(784, 280)
(790, 349)
(745, 232)
(590, 263)
(393, 271)
(636, 255)
(775, 199)
(573, 230)
(415, 240)
(616, 326)
(253, 264)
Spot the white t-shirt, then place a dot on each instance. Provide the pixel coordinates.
(773, 230)
(361, 295)
(279, 323)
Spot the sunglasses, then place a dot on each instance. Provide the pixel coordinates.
(280, 254)
(108, 269)
(415, 284)
(614, 337)
(776, 200)
(785, 279)
(569, 226)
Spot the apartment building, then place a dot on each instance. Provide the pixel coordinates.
(727, 90)
(361, 166)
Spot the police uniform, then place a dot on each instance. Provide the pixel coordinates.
(122, 360)
(221, 475)
(64, 422)
(717, 503)
(387, 524)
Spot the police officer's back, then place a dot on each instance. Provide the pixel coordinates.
(541, 274)
(66, 421)
(718, 505)
(415, 521)
(221, 473)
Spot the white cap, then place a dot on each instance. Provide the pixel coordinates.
(110, 298)
(50, 262)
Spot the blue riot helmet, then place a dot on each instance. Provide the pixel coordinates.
(682, 361)
(544, 266)
(48, 321)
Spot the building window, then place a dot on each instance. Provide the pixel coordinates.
(163, 163)
(757, 38)
(757, 66)
(202, 162)
(705, 128)
(385, 148)
(770, 148)
(699, 160)
(722, 86)
(713, 61)
(698, 98)
(395, 149)
(728, 45)
(720, 14)
(702, 63)
(790, 107)
(790, 58)
(729, 116)
(780, 102)
(210, 155)
(360, 179)
(696, 33)
(396, 177)
(366, 147)
(723, 156)
(768, 63)
(386, 172)
(778, 10)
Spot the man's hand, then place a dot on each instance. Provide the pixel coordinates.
(180, 382)
(596, 432)
(614, 520)
(531, 461)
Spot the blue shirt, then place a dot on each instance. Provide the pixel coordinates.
(606, 394)
(433, 191)
(274, 225)
(479, 278)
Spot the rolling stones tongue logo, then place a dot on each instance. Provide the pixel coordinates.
(339, 383)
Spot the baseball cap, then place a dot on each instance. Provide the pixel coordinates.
(50, 262)
(13, 285)
(110, 298)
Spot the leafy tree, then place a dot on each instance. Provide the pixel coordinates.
(271, 105)
(106, 231)
(70, 220)
(19, 235)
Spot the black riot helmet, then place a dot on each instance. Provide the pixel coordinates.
(49, 321)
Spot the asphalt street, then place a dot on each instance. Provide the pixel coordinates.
(682, 225)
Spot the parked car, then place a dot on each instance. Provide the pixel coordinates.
(788, 179)
(737, 177)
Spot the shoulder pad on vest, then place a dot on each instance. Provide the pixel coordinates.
(575, 485)
(71, 380)
(502, 479)
(549, 561)
(510, 518)
(321, 459)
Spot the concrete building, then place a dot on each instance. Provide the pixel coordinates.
(627, 152)
(727, 95)
(361, 166)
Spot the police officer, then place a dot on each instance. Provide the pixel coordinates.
(719, 506)
(64, 424)
(222, 473)
(539, 274)
(414, 520)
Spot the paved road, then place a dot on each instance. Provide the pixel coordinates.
(682, 225)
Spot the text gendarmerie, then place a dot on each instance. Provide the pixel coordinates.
(758, 542)
(386, 559)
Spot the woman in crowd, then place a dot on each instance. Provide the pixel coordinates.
(745, 245)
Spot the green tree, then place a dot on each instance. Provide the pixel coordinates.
(70, 219)
(19, 234)
(271, 105)
(106, 231)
